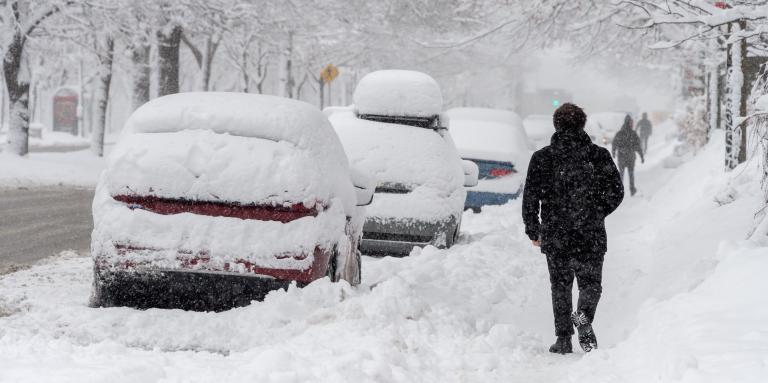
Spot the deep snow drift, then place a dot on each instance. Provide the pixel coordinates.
(683, 301)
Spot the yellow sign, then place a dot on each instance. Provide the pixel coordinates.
(329, 73)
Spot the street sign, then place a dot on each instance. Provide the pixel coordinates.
(329, 73)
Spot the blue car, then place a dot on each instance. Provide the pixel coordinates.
(495, 140)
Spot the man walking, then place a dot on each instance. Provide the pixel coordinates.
(626, 143)
(645, 129)
(573, 185)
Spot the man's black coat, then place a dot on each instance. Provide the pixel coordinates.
(601, 195)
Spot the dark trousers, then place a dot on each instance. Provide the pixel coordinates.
(588, 270)
(630, 167)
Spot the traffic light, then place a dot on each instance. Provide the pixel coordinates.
(555, 103)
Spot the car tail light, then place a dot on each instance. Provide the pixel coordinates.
(500, 172)
(171, 206)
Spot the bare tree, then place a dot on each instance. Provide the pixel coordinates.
(20, 20)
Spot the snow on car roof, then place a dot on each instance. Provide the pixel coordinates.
(239, 114)
(398, 93)
(490, 134)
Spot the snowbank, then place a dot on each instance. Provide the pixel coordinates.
(80, 168)
(398, 93)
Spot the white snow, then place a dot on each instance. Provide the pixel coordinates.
(230, 147)
(226, 147)
(418, 158)
(606, 124)
(398, 93)
(683, 301)
(490, 134)
(762, 103)
(539, 129)
(79, 168)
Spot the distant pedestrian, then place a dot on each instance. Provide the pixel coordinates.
(572, 184)
(644, 130)
(626, 143)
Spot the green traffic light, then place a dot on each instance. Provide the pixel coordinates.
(555, 103)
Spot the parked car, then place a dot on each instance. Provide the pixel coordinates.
(605, 125)
(211, 200)
(496, 142)
(539, 129)
(395, 132)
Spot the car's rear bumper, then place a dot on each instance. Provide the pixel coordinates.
(477, 199)
(397, 237)
(199, 291)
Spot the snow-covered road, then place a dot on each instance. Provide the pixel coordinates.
(680, 303)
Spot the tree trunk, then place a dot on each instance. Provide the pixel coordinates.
(286, 69)
(102, 94)
(168, 45)
(140, 54)
(18, 95)
(713, 94)
(735, 78)
(742, 53)
(210, 51)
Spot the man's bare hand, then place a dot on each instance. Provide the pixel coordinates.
(536, 243)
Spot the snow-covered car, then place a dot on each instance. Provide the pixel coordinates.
(539, 129)
(395, 133)
(604, 125)
(495, 140)
(211, 200)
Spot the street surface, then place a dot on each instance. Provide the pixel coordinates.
(40, 222)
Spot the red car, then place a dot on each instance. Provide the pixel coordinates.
(211, 200)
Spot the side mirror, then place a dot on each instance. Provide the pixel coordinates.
(471, 173)
(364, 186)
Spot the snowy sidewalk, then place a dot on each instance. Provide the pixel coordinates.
(679, 304)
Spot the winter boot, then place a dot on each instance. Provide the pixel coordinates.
(632, 192)
(562, 345)
(587, 338)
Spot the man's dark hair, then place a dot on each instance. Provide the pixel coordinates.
(569, 117)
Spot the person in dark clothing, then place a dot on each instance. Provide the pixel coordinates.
(626, 143)
(644, 129)
(572, 184)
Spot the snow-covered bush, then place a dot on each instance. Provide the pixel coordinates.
(692, 123)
